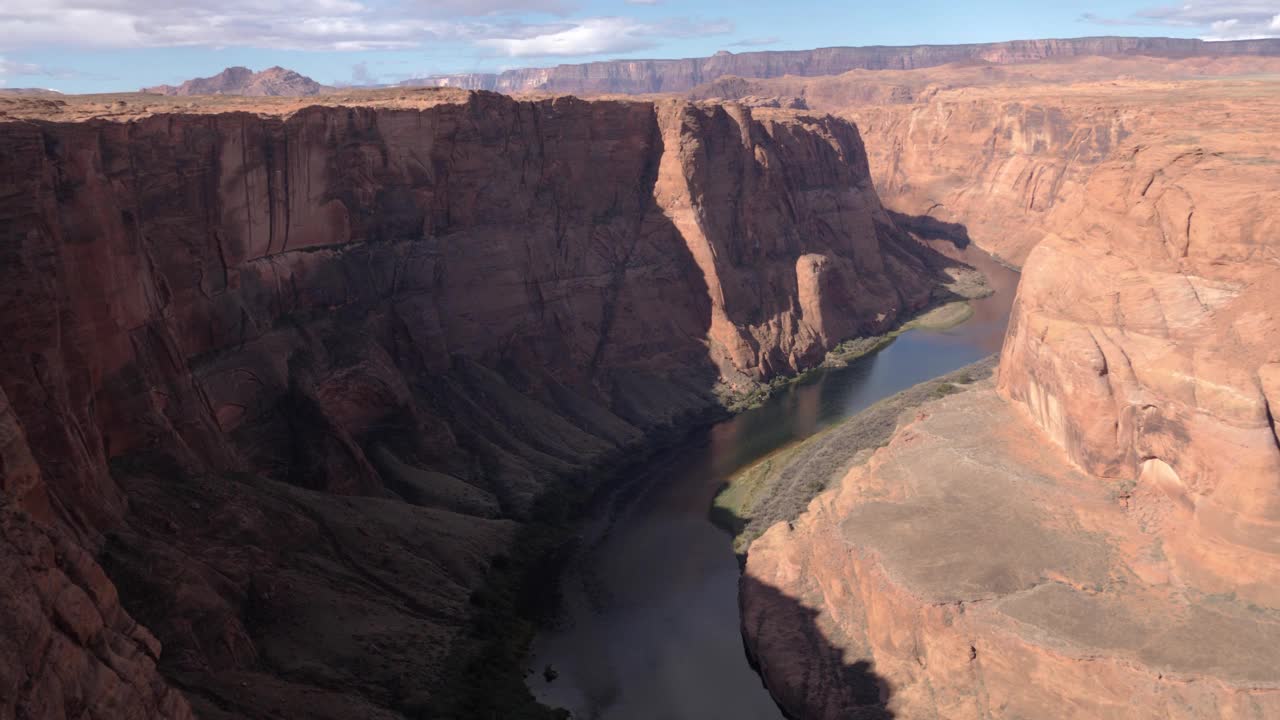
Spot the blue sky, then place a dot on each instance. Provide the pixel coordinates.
(114, 45)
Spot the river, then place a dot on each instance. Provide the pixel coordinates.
(649, 623)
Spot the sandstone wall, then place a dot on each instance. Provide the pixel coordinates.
(1144, 342)
(994, 149)
(1096, 535)
(280, 371)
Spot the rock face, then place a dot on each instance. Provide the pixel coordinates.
(997, 148)
(296, 377)
(274, 81)
(1156, 362)
(1096, 535)
(966, 573)
(70, 650)
(652, 76)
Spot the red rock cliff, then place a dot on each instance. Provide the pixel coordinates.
(996, 148)
(1095, 535)
(287, 372)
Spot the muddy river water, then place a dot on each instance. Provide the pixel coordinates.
(649, 626)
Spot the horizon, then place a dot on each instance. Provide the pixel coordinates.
(730, 52)
(82, 46)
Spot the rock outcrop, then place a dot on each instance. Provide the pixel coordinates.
(274, 81)
(1095, 536)
(70, 650)
(297, 376)
(654, 76)
(997, 148)
(1147, 345)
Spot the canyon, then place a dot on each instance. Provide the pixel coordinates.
(283, 387)
(1093, 533)
(296, 393)
(994, 149)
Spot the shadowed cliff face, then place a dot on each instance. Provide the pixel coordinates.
(300, 377)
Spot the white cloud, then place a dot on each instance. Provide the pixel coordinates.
(1213, 19)
(278, 24)
(590, 37)
(13, 67)
(9, 68)
(498, 25)
(596, 36)
(275, 24)
(757, 41)
(476, 8)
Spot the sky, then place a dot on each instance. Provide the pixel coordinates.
(119, 45)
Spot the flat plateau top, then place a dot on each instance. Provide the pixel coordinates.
(123, 107)
(129, 106)
(1043, 83)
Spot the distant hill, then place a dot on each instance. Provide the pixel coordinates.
(28, 91)
(650, 76)
(274, 81)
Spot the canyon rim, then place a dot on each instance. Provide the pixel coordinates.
(306, 391)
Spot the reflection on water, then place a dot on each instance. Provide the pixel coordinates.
(650, 619)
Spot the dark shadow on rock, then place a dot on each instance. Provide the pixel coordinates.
(254, 539)
(379, 476)
(931, 228)
(805, 673)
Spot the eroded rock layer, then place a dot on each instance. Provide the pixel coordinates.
(966, 573)
(1094, 536)
(990, 151)
(295, 376)
(653, 76)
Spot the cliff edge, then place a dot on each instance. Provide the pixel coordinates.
(297, 375)
(1094, 536)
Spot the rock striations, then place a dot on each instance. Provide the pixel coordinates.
(666, 76)
(997, 148)
(1096, 534)
(295, 377)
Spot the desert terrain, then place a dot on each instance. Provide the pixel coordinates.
(304, 397)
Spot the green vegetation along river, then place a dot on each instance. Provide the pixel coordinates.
(649, 624)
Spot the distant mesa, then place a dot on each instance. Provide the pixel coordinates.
(28, 91)
(682, 75)
(274, 81)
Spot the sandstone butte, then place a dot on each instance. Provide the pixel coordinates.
(1096, 533)
(274, 81)
(282, 379)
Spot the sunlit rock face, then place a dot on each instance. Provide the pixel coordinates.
(1144, 342)
(1096, 534)
(990, 150)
